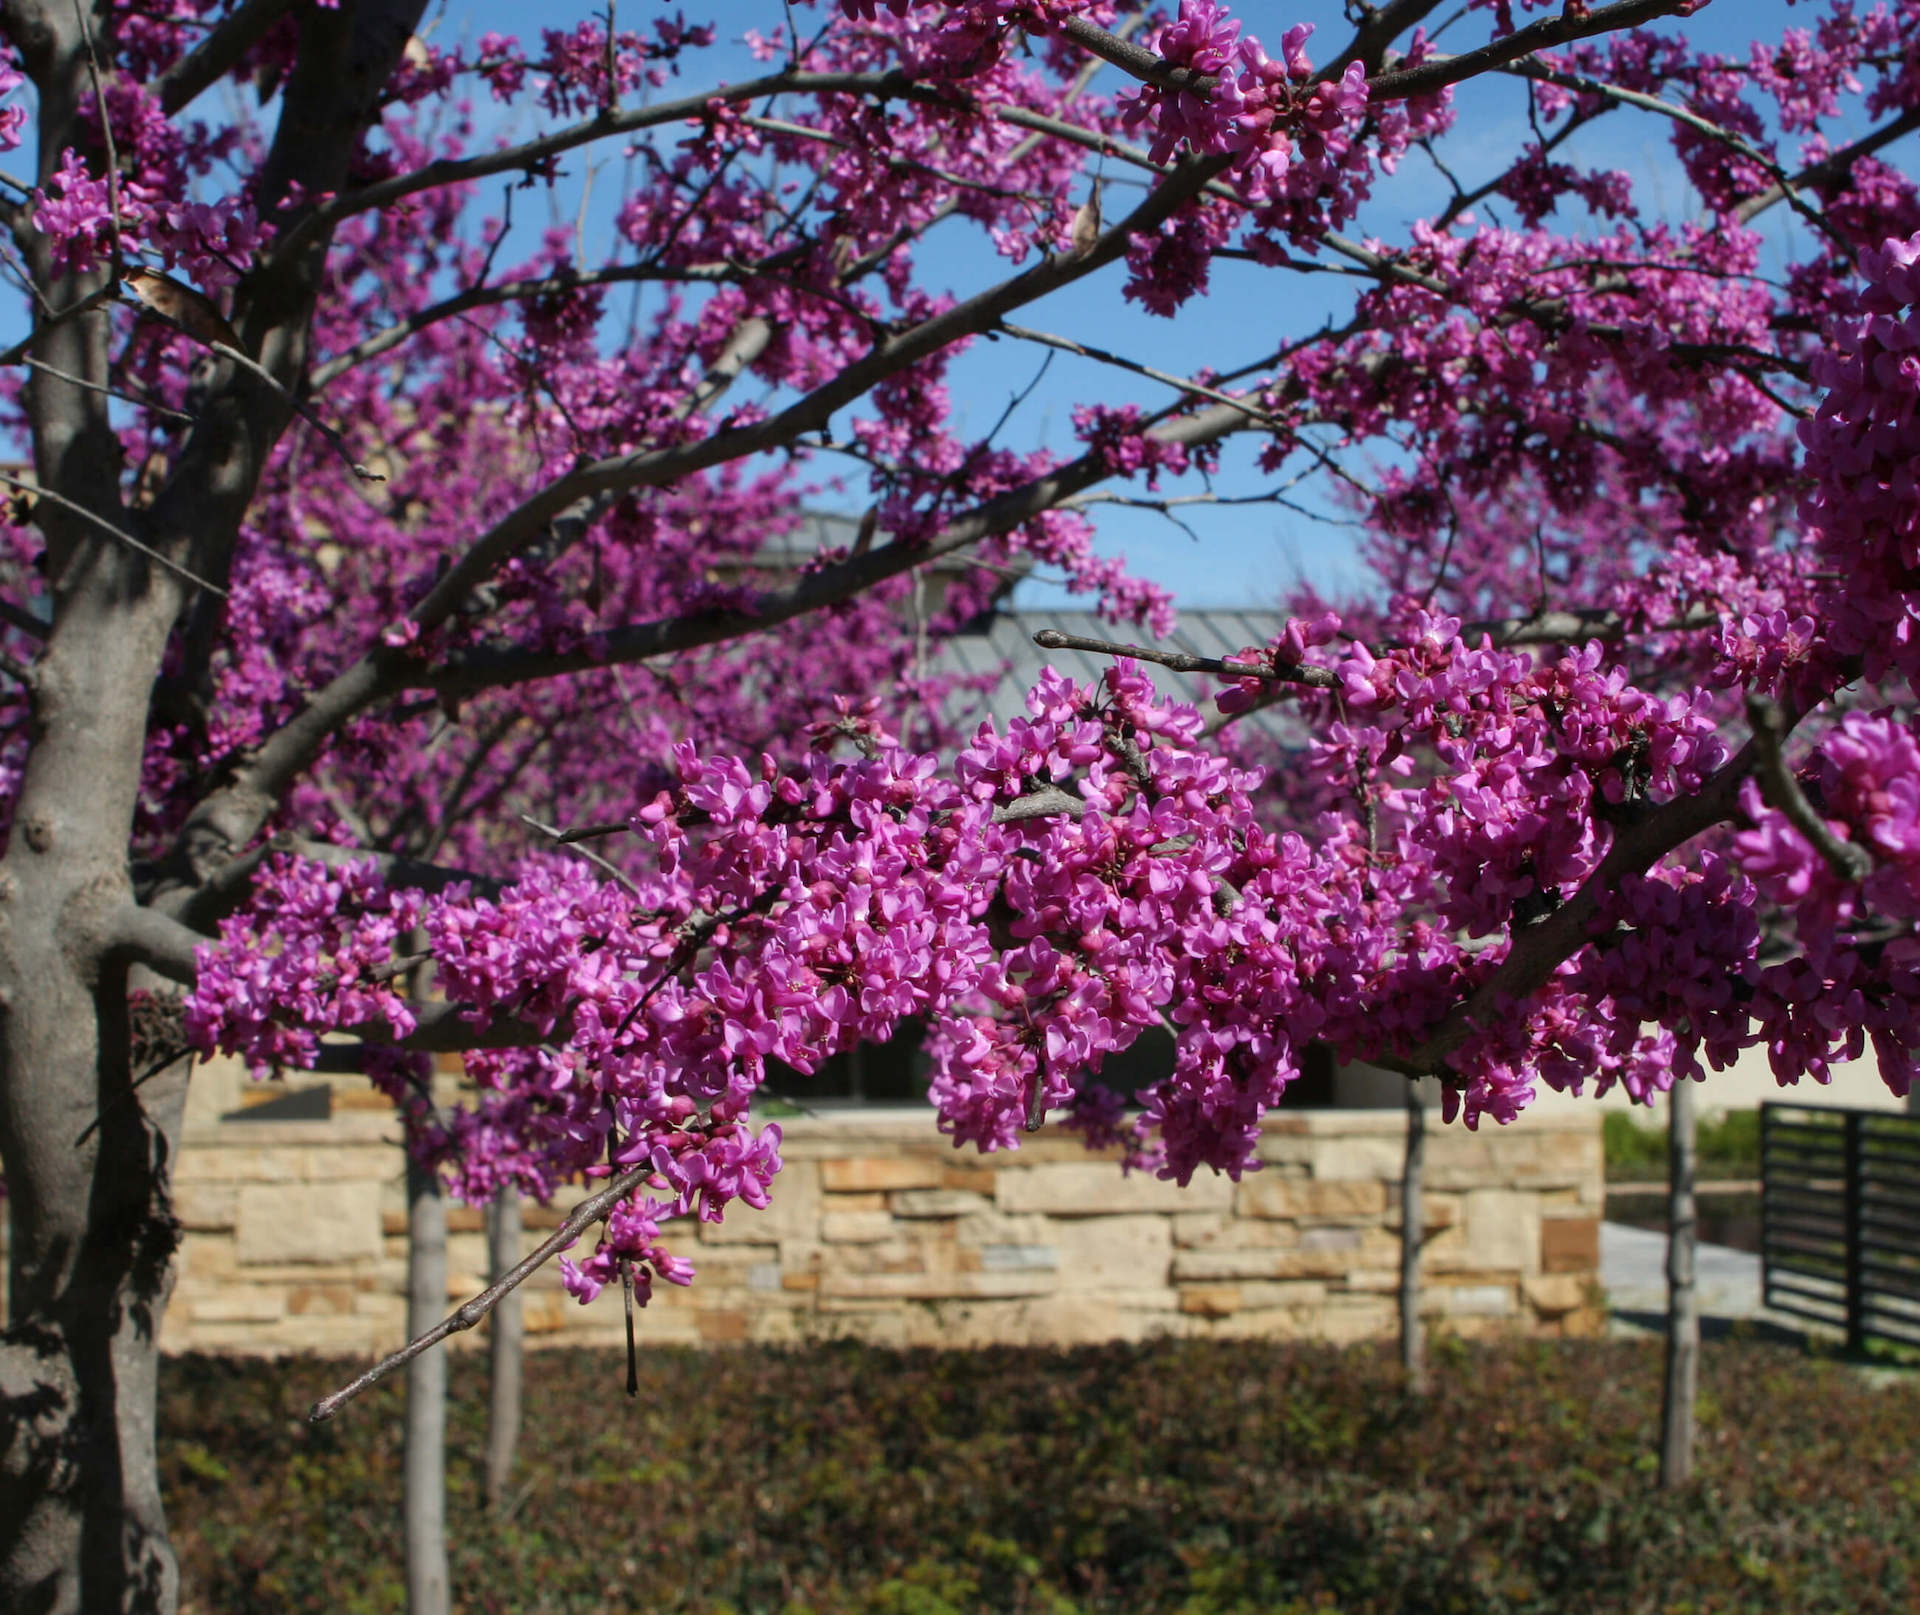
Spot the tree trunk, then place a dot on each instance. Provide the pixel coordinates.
(1413, 1216)
(92, 1238)
(1683, 1303)
(505, 1350)
(426, 1443)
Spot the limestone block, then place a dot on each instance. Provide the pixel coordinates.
(997, 1228)
(207, 1164)
(1329, 1255)
(545, 1314)
(932, 1286)
(324, 1163)
(1284, 1149)
(972, 1179)
(722, 1326)
(870, 1172)
(848, 1320)
(887, 1256)
(1554, 1295)
(467, 1253)
(1445, 1251)
(1268, 1195)
(729, 1265)
(1437, 1211)
(1349, 1318)
(1379, 1156)
(308, 1222)
(1570, 1244)
(1536, 1157)
(856, 1227)
(1299, 1294)
(792, 1211)
(937, 1203)
(1503, 1230)
(240, 1304)
(875, 1201)
(1080, 1320)
(1098, 1253)
(205, 1207)
(1211, 1300)
(1460, 1300)
(1018, 1258)
(773, 1329)
(1458, 1159)
(305, 1300)
(1585, 1323)
(1092, 1188)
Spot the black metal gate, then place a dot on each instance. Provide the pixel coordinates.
(1840, 1219)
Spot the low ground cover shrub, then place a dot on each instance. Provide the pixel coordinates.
(1182, 1478)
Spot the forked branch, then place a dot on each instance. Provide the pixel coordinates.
(589, 1211)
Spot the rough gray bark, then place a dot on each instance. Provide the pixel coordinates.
(505, 1349)
(1413, 1213)
(426, 1423)
(1683, 1303)
(86, 1152)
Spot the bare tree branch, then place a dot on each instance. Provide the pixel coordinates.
(218, 54)
(1317, 678)
(1834, 166)
(589, 1211)
(226, 888)
(1848, 860)
(1541, 948)
(531, 153)
(161, 943)
(1437, 72)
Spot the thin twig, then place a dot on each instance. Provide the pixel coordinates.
(112, 392)
(1780, 790)
(1318, 678)
(118, 259)
(112, 531)
(604, 865)
(466, 1316)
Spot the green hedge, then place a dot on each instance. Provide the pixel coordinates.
(1178, 1478)
(1636, 1152)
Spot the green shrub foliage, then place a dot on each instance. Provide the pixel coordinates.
(1181, 1478)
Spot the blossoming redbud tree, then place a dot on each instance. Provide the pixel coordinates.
(361, 521)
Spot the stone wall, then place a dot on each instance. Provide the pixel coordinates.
(295, 1239)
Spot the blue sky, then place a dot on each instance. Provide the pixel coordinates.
(1247, 554)
(1242, 555)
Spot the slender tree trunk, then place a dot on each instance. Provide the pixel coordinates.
(426, 1444)
(1413, 1216)
(505, 1350)
(1683, 1303)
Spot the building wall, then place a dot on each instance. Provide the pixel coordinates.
(295, 1240)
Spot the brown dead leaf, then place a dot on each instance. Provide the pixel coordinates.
(193, 311)
(1086, 225)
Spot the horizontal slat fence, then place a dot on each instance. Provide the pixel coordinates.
(1840, 1219)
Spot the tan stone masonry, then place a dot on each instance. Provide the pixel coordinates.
(295, 1240)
